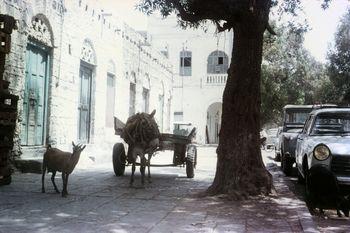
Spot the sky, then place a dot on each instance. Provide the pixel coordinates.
(323, 23)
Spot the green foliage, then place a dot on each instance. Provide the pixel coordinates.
(339, 61)
(290, 75)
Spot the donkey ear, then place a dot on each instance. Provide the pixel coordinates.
(152, 113)
(83, 148)
(73, 144)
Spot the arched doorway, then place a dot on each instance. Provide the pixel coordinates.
(213, 126)
(87, 67)
(37, 78)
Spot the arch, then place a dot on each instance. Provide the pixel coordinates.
(40, 30)
(217, 62)
(213, 126)
(88, 54)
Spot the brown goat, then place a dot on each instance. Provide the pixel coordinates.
(56, 160)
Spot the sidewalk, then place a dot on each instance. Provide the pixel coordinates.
(98, 201)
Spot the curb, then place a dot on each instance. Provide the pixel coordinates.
(304, 215)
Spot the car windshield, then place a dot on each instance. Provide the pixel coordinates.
(332, 123)
(294, 130)
(296, 117)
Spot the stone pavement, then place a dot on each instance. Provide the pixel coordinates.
(98, 201)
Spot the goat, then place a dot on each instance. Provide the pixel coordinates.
(324, 191)
(56, 160)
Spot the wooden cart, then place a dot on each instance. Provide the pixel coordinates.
(185, 153)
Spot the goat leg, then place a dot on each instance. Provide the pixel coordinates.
(64, 179)
(53, 181)
(43, 179)
(132, 173)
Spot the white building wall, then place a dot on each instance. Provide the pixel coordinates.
(192, 94)
(112, 40)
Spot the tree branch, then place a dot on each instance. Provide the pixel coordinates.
(270, 30)
(184, 15)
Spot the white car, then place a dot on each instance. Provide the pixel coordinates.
(325, 141)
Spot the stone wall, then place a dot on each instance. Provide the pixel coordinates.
(72, 32)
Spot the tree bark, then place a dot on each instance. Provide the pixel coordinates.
(240, 171)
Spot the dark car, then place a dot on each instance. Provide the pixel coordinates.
(294, 117)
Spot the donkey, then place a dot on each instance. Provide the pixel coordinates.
(140, 150)
(56, 160)
(142, 135)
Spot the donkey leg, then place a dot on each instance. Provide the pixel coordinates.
(53, 181)
(148, 168)
(142, 170)
(43, 179)
(132, 173)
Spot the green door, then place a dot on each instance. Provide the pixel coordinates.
(34, 101)
(84, 104)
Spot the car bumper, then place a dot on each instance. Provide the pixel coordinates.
(344, 180)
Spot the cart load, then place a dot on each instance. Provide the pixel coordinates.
(142, 136)
(140, 129)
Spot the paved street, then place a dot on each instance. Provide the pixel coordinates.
(98, 201)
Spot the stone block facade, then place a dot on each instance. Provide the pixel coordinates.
(75, 65)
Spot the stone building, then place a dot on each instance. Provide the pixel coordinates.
(74, 67)
(200, 61)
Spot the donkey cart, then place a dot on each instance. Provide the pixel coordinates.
(185, 153)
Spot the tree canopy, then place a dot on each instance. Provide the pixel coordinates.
(339, 57)
(290, 75)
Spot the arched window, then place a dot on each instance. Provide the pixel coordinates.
(217, 63)
(185, 63)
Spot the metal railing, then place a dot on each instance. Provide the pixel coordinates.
(216, 79)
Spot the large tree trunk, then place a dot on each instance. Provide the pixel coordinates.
(240, 170)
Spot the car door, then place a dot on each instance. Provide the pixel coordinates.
(301, 140)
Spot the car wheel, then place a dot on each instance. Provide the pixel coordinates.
(287, 165)
(307, 188)
(119, 159)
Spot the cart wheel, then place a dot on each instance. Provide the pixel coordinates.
(191, 160)
(119, 159)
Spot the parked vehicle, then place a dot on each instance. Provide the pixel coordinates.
(271, 139)
(325, 141)
(182, 128)
(294, 118)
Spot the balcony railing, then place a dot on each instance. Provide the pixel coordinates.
(216, 79)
